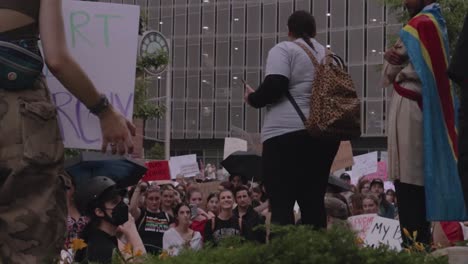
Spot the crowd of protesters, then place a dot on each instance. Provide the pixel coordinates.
(156, 218)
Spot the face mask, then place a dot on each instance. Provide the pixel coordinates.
(119, 214)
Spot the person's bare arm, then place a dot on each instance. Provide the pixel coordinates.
(115, 128)
(134, 202)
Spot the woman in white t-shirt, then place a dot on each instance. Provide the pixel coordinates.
(181, 237)
(296, 165)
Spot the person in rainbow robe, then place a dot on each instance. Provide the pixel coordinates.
(422, 124)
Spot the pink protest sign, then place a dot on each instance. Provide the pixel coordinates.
(381, 172)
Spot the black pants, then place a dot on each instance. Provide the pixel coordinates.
(411, 200)
(296, 167)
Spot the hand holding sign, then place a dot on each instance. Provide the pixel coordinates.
(116, 130)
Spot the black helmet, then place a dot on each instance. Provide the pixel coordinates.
(88, 193)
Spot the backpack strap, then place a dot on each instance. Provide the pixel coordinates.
(309, 53)
(142, 220)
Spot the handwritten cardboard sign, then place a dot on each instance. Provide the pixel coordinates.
(365, 164)
(381, 172)
(185, 166)
(103, 38)
(361, 223)
(384, 231)
(344, 157)
(158, 170)
(232, 145)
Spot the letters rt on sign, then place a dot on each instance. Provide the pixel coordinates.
(103, 38)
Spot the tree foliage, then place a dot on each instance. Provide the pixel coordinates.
(454, 12)
(295, 245)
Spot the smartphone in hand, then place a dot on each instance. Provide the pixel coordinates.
(193, 211)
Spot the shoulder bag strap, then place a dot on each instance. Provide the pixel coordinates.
(288, 94)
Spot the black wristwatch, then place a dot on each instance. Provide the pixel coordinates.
(101, 106)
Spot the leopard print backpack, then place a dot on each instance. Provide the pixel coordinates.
(335, 109)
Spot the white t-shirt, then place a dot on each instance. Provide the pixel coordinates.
(173, 243)
(290, 60)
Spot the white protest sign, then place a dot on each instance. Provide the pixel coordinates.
(384, 156)
(185, 165)
(361, 223)
(384, 231)
(232, 145)
(103, 38)
(365, 164)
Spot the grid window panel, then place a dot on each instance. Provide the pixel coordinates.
(269, 18)
(374, 89)
(357, 73)
(375, 45)
(253, 51)
(193, 56)
(356, 13)
(208, 19)
(374, 118)
(222, 53)
(267, 44)
(320, 10)
(178, 118)
(180, 19)
(194, 19)
(223, 20)
(375, 13)
(303, 5)
(166, 17)
(356, 47)
(251, 114)
(253, 18)
(285, 10)
(237, 53)
(322, 38)
(153, 14)
(338, 15)
(221, 120)
(179, 54)
(207, 110)
(238, 18)
(237, 89)
(207, 53)
(338, 42)
(237, 117)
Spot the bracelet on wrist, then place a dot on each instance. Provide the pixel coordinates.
(101, 106)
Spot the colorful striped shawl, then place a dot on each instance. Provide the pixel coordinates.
(425, 37)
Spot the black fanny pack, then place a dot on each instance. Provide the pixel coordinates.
(20, 68)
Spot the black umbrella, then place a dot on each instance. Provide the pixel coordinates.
(337, 185)
(245, 164)
(124, 171)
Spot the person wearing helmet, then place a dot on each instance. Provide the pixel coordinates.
(111, 223)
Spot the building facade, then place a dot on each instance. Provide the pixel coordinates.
(216, 43)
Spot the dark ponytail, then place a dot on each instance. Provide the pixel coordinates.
(301, 24)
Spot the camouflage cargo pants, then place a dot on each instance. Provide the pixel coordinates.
(32, 192)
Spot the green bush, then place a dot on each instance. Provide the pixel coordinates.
(300, 245)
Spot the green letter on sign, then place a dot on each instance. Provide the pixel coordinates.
(74, 27)
(106, 26)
